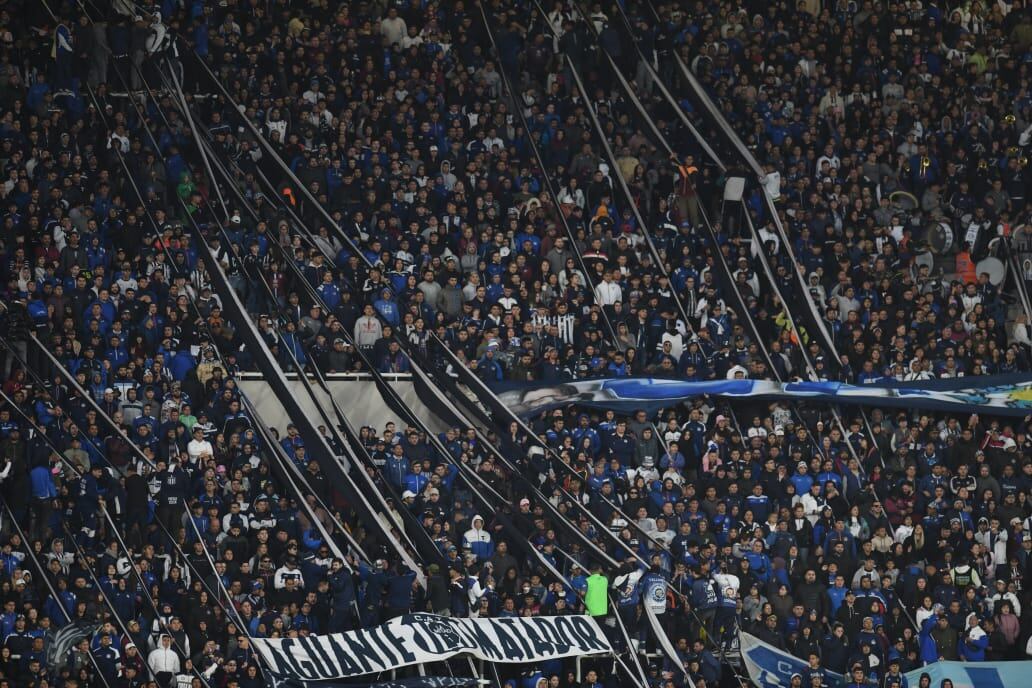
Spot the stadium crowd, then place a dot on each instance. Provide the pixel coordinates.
(460, 157)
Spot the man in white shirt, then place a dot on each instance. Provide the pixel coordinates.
(767, 233)
(813, 503)
(829, 157)
(771, 182)
(662, 533)
(608, 292)
(289, 571)
(199, 448)
(393, 27)
(235, 517)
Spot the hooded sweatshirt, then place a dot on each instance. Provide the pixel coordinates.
(975, 641)
(163, 659)
(929, 650)
(387, 308)
(477, 540)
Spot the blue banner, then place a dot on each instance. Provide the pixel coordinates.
(1001, 395)
(975, 674)
(770, 667)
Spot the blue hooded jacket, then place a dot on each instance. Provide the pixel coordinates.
(929, 649)
(387, 309)
(973, 643)
(42, 483)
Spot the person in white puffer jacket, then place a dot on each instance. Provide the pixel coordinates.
(163, 660)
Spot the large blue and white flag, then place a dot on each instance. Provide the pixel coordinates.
(975, 674)
(1005, 395)
(770, 667)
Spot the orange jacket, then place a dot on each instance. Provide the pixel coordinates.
(966, 268)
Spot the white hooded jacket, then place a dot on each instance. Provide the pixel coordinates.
(476, 539)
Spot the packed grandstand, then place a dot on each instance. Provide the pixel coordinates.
(700, 332)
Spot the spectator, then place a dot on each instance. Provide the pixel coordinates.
(163, 660)
(455, 191)
(478, 541)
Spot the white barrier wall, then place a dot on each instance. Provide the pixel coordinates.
(358, 399)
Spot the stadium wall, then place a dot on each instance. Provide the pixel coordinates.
(356, 395)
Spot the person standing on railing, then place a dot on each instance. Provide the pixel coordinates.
(686, 196)
(63, 54)
(16, 324)
(44, 494)
(596, 597)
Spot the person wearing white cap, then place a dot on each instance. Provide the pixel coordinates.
(1002, 594)
(109, 399)
(132, 659)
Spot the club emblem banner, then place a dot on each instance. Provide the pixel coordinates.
(1005, 395)
(419, 638)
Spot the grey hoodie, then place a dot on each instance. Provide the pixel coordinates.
(450, 301)
(431, 290)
